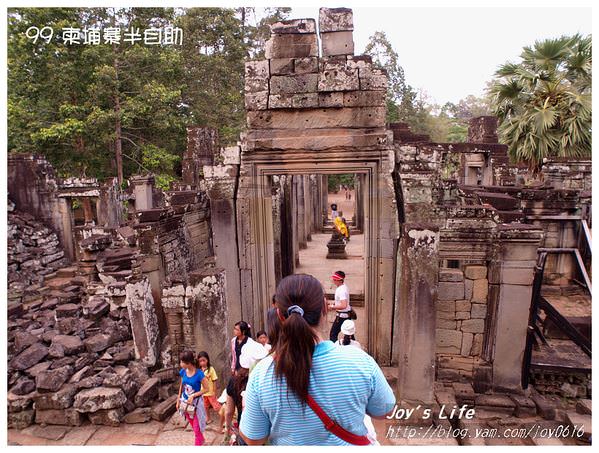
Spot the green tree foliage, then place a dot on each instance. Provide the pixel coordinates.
(334, 181)
(544, 101)
(94, 109)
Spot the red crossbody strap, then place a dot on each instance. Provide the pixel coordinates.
(334, 428)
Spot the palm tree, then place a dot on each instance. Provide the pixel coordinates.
(544, 102)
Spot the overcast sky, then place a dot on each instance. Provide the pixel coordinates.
(451, 52)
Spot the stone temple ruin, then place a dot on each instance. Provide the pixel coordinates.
(461, 255)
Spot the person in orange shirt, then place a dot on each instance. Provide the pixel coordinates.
(209, 390)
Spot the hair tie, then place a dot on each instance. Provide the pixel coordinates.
(295, 309)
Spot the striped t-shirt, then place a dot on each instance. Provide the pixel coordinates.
(345, 382)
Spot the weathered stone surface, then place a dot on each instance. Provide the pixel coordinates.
(467, 339)
(55, 351)
(338, 78)
(139, 415)
(165, 409)
(337, 43)
(52, 380)
(96, 307)
(544, 407)
(257, 69)
(29, 357)
(468, 288)
(480, 290)
(257, 100)
(462, 315)
(330, 99)
(584, 407)
(37, 369)
(477, 345)
(475, 272)
(291, 46)
(446, 306)
(67, 417)
(373, 79)
(302, 83)
(252, 85)
(66, 311)
(463, 305)
(282, 66)
(18, 403)
(107, 417)
(318, 118)
(449, 340)
(451, 291)
(525, 407)
(95, 399)
(20, 420)
(364, 98)
(90, 382)
(23, 340)
(479, 311)
(581, 421)
(305, 65)
(451, 275)
(71, 344)
(335, 19)
(81, 374)
(495, 402)
(293, 26)
(298, 101)
(473, 325)
(148, 393)
(61, 399)
(23, 386)
(98, 342)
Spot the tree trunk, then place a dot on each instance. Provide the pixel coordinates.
(118, 142)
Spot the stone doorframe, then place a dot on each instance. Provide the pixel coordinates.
(255, 235)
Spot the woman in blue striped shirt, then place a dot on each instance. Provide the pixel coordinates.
(345, 383)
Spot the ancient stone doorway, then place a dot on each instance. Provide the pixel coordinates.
(303, 232)
(260, 235)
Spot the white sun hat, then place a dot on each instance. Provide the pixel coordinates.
(348, 327)
(251, 353)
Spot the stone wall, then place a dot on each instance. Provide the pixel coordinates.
(180, 234)
(33, 251)
(196, 315)
(461, 311)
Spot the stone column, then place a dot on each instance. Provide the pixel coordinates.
(294, 229)
(143, 186)
(510, 278)
(144, 324)
(301, 211)
(66, 230)
(221, 182)
(324, 187)
(308, 206)
(418, 264)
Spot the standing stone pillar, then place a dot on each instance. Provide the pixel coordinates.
(221, 182)
(144, 324)
(301, 211)
(66, 230)
(324, 188)
(308, 207)
(142, 187)
(510, 276)
(359, 203)
(418, 264)
(294, 215)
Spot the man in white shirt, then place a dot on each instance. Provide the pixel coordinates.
(340, 305)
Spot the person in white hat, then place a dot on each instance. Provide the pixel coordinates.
(348, 329)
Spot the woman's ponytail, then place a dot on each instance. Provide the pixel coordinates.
(300, 302)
